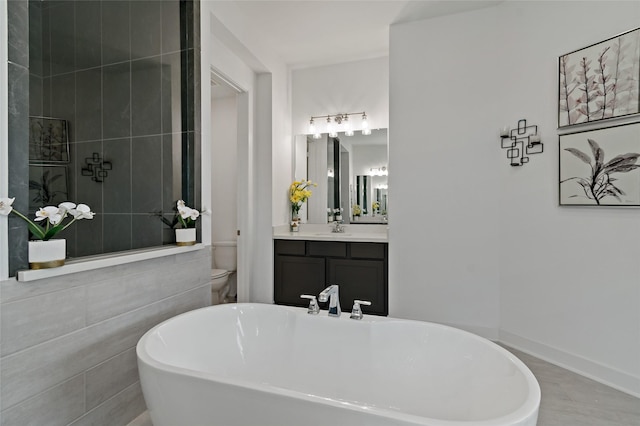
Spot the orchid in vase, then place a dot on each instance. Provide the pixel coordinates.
(51, 219)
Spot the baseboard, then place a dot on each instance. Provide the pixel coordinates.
(601, 373)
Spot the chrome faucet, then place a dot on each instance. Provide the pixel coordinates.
(338, 226)
(331, 293)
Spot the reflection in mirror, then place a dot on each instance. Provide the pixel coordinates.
(118, 99)
(351, 172)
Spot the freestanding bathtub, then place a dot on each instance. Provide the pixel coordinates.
(268, 365)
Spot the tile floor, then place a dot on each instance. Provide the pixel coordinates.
(568, 399)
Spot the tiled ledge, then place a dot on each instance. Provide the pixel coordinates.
(104, 261)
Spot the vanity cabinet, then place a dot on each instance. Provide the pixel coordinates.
(308, 267)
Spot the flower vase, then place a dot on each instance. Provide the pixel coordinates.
(185, 236)
(47, 254)
(295, 221)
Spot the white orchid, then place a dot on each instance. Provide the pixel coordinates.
(5, 205)
(52, 214)
(53, 217)
(83, 211)
(186, 215)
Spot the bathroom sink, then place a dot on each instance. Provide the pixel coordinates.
(332, 234)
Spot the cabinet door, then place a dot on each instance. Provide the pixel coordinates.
(294, 276)
(360, 279)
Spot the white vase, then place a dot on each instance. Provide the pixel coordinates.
(185, 236)
(47, 254)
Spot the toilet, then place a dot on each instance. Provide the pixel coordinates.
(224, 265)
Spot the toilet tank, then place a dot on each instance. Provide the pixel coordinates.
(225, 255)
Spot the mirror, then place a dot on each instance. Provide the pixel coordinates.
(351, 173)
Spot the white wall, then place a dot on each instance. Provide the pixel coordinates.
(265, 164)
(491, 250)
(224, 168)
(341, 88)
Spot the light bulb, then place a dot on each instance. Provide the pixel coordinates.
(331, 128)
(312, 127)
(317, 135)
(347, 126)
(366, 132)
(365, 123)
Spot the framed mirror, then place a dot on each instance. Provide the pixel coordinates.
(351, 173)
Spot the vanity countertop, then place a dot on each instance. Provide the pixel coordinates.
(352, 233)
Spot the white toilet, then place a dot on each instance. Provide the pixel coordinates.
(224, 265)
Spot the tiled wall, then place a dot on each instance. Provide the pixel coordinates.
(67, 344)
(121, 73)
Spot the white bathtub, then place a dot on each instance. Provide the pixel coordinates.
(267, 365)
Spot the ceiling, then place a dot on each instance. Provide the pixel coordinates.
(321, 32)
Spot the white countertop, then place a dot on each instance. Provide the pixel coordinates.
(322, 232)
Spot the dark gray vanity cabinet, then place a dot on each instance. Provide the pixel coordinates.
(308, 267)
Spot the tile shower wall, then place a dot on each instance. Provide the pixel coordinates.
(121, 74)
(67, 344)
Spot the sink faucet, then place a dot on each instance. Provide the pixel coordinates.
(337, 226)
(331, 293)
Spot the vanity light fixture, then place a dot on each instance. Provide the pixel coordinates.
(520, 141)
(339, 122)
(379, 171)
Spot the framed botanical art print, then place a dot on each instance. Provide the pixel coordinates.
(48, 140)
(601, 167)
(600, 81)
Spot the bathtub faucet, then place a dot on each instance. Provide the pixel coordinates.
(331, 293)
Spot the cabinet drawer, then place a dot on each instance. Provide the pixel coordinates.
(367, 251)
(322, 248)
(290, 247)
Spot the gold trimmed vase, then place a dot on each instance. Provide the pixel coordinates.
(185, 236)
(47, 254)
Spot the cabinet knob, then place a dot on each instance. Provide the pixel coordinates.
(314, 308)
(356, 311)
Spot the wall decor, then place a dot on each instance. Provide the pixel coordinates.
(48, 140)
(601, 167)
(96, 168)
(520, 141)
(600, 81)
(48, 185)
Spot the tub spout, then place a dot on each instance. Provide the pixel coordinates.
(331, 293)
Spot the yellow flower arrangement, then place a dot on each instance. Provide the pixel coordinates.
(375, 205)
(299, 193)
(357, 211)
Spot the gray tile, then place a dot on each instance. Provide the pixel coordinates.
(63, 99)
(18, 32)
(112, 376)
(171, 187)
(31, 321)
(35, 38)
(115, 32)
(88, 51)
(146, 232)
(117, 186)
(35, 95)
(89, 236)
(89, 105)
(171, 93)
(146, 182)
(46, 45)
(63, 38)
(119, 410)
(145, 96)
(55, 407)
(35, 369)
(116, 105)
(170, 26)
(146, 25)
(117, 236)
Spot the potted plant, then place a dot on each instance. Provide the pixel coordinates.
(298, 194)
(357, 211)
(45, 251)
(186, 217)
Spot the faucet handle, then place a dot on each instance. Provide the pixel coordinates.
(314, 308)
(356, 311)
